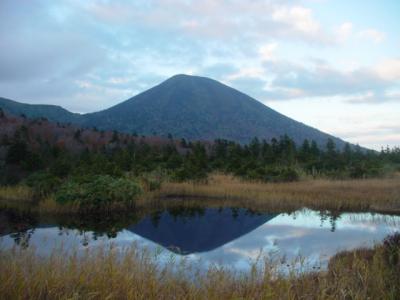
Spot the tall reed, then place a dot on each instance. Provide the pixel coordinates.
(135, 274)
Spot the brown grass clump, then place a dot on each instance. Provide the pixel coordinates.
(15, 193)
(136, 274)
(16, 197)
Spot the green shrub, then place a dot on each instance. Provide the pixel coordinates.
(272, 174)
(152, 181)
(186, 172)
(99, 190)
(288, 175)
(364, 171)
(43, 183)
(70, 191)
(180, 174)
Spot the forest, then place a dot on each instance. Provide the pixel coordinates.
(120, 166)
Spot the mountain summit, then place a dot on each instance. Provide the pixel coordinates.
(194, 108)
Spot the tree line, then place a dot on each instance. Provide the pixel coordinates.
(277, 160)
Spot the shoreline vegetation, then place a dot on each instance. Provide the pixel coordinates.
(135, 274)
(374, 195)
(57, 168)
(379, 195)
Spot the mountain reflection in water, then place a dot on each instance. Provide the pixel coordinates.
(202, 231)
(226, 236)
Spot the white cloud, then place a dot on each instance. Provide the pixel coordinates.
(298, 18)
(223, 19)
(389, 69)
(266, 51)
(268, 77)
(319, 80)
(373, 35)
(252, 72)
(344, 31)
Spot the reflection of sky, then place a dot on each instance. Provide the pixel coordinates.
(302, 233)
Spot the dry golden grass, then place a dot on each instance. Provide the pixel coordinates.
(16, 197)
(366, 194)
(137, 274)
(15, 193)
(380, 195)
(20, 197)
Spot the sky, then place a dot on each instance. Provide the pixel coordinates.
(331, 64)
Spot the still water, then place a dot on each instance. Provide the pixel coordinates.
(229, 237)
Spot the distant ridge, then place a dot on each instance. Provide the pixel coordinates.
(51, 112)
(191, 107)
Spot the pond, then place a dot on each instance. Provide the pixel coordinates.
(226, 236)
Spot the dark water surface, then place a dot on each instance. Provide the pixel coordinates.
(231, 237)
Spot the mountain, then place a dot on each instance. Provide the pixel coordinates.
(201, 108)
(51, 112)
(191, 107)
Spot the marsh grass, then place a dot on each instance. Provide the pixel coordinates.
(380, 195)
(18, 197)
(21, 198)
(136, 274)
(15, 193)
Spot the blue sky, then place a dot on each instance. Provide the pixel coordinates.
(332, 64)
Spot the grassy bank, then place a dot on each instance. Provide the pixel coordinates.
(380, 195)
(368, 194)
(103, 274)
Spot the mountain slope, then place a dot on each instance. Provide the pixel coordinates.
(188, 107)
(201, 108)
(51, 112)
